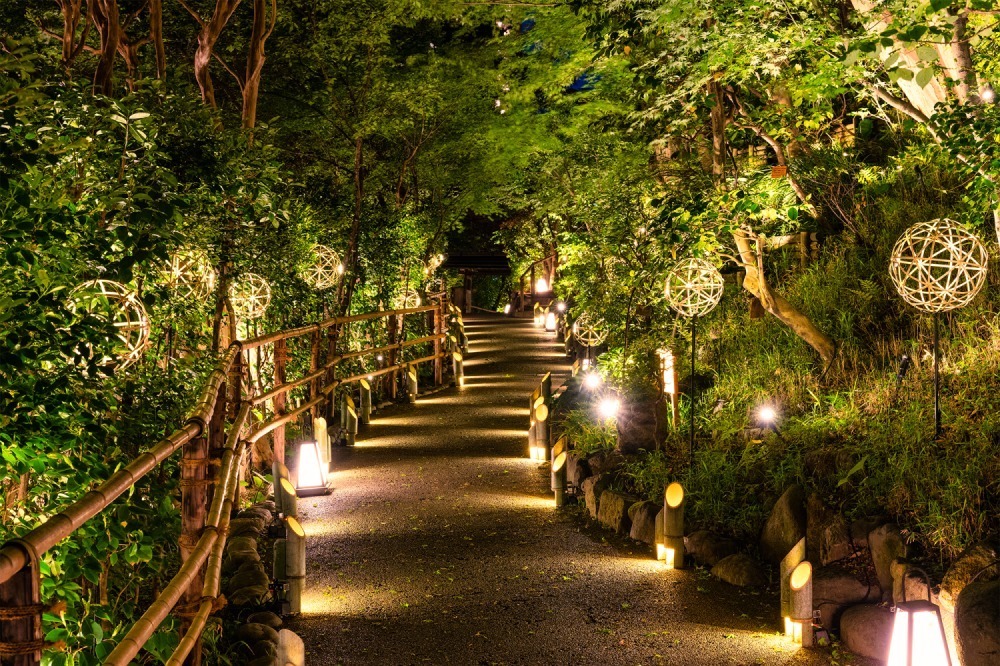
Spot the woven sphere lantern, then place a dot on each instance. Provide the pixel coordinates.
(250, 296)
(589, 331)
(125, 311)
(190, 274)
(694, 287)
(938, 266)
(326, 269)
(407, 300)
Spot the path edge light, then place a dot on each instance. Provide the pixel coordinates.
(310, 460)
(673, 526)
(913, 645)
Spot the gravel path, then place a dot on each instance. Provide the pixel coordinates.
(440, 545)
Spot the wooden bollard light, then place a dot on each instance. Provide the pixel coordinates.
(800, 604)
(560, 454)
(365, 415)
(411, 383)
(311, 472)
(673, 526)
(457, 367)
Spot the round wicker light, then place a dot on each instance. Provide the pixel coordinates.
(938, 266)
(589, 331)
(408, 299)
(125, 312)
(694, 287)
(190, 274)
(250, 296)
(326, 270)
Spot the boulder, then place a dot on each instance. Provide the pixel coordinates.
(251, 526)
(860, 529)
(265, 617)
(643, 516)
(637, 426)
(974, 560)
(253, 632)
(886, 546)
(977, 624)
(235, 561)
(241, 544)
(708, 548)
(255, 594)
(828, 537)
(835, 587)
(577, 470)
(785, 526)
(258, 512)
(592, 488)
(250, 574)
(866, 630)
(604, 462)
(739, 570)
(264, 649)
(612, 511)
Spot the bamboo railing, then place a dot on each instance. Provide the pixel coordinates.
(213, 441)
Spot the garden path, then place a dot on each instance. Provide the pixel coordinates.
(440, 545)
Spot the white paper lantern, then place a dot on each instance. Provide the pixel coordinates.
(190, 274)
(326, 270)
(938, 266)
(125, 311)
(250, 296)
(589, 331)
(694, 287)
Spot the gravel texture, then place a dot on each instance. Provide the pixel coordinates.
(440, 545)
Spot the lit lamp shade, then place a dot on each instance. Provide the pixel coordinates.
(918, 636)
(550, 321)
(311, 473)
(541, 286)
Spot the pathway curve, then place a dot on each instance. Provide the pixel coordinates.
(440, 545)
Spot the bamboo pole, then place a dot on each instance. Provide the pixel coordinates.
(560, 453)
(673, 526)
(295, 563)
(800, 603)
(365, 414)
(458, 368)
(411, 381)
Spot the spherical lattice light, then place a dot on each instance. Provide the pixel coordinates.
(326, 269)
(190, 274)
(123, 309)
(407, 300)
(589, 331)
(938, 266)
(250, 296)
(694, 287)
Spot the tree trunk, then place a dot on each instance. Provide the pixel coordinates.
(71, 11)
(788, 314)
(156, 36)
(207, 37)
(351, 261)
(104, 14)
(718, 118)
(255, 59)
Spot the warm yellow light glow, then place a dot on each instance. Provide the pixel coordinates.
(295, 526)
(550, 321)
(287, 486)
(586, 363)
(918, 636)
(667, 366)
(608, 408)
(669, 557)
(542, 412)
(538, 453)
(800, 576)
(311, 472)
(506, 309)
(661, 552)
(558, 463)
(766, 414)
(561, 306)
(788, 626)
(592, 380)
(674, 495)
(541, 285)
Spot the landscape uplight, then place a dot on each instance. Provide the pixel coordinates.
(506, 309)
(767, 417)
(608, 408)
(541, 286)
(561, 306)
(592, 380)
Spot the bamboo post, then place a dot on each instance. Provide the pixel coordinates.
(194, 509)
(289, 498)
(313, 366)
(365, 415)
(21, 628)
(800, 604)
(458, 368)
(788, 563)
(411, 382)
(532, 430)
(280, 400)
(390, 324)
(438, 360)
(322, 434)
(560, 453)
(673, 526)
(543, 415)
(542, 429)
(351, 433)
(295, 563)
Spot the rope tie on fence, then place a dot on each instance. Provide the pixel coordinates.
(18, 648)
(31, 611)
(21, 612)
(191, 608)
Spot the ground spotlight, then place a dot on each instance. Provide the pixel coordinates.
(592, 380)
(506, 309)
(608, 408)
(561, 306)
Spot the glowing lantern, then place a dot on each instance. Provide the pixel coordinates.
(506, 309)
(800, 605)
(550, 321)
(122, 308)
(608, 408)
(592, 380)
(250, 296)
(561, 306)
(541, 286)
(669, 372)
(312, 476)
(326, 269)
(918, 636)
